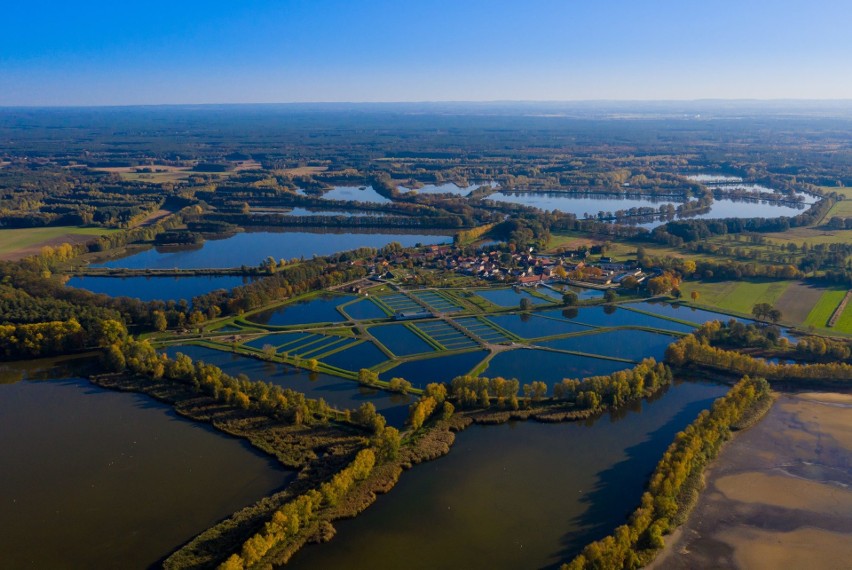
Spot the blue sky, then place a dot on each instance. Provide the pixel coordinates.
(187, 51)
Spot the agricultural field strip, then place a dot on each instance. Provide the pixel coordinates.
(841, 308)
(738, 296)
(842, 209)
(824, 308)
(18, 239)
(797, 301)
(844, 322)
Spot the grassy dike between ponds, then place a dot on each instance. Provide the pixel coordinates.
(675, 483)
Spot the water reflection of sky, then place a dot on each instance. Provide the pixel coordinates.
(582, 205)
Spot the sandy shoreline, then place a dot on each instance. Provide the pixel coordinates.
(778, 496)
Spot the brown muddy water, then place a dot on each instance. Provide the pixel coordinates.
(91, 478)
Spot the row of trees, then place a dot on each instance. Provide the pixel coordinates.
(290, 281)
(615, 389)
(266, 398)
(723, 269)
(288, 521)
(424, 408)
(692, 350)
(591, 393)
(633, 545)
(819, 347)
(466, 236)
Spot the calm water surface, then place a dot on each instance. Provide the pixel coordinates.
(161, 288)
(106, 479)
(522, 495)
(447, 188)
(509, 297)
(630, 344)
(321, 309)
(581, 205)
(439, 369)
(251, 248)
(550, 367)
(355, 194)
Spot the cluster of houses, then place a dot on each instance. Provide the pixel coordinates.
(524, 268)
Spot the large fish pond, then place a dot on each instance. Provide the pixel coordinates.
(590, 205)
(518, 495)
(252, 248)
(106, 479)
(158, 288)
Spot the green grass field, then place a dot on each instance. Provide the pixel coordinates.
(737, 296)
(842, 190)
(13, 241)
(819, 315)
(811, 236)
(844, 323)
(842, 209)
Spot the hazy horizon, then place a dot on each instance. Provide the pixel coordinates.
(254, 52)
(779, 102)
